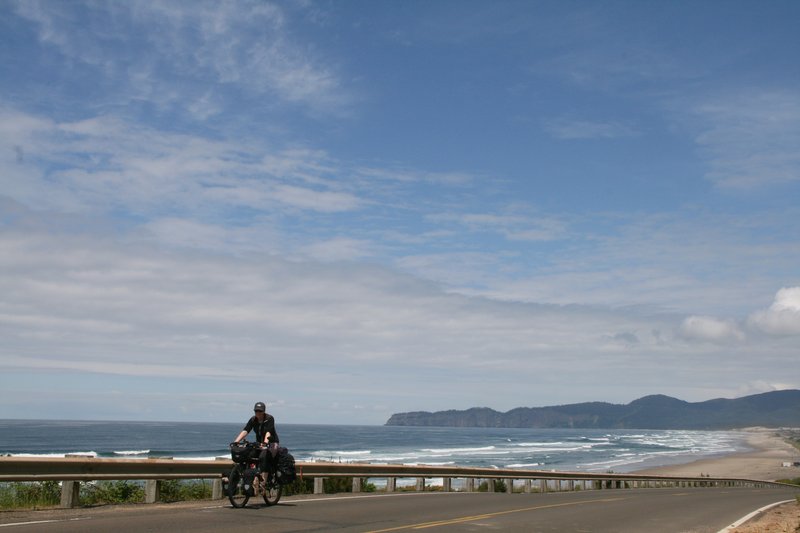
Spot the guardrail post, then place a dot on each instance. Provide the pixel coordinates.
(510, 486)
(469, 484)
(319, 485)
(542, 485)
(571, 485)
(527, 486)
(391, 484)
(420, 484)
(216, 490)
(446, 484)
(151, 489)
(70, 494)
(356, 484)
(490, 485)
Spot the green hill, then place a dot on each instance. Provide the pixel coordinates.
(771, 409)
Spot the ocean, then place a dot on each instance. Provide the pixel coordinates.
(590, 450)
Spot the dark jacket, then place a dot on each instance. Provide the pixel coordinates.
(261, 428)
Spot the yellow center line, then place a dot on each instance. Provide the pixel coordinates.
(459, 520)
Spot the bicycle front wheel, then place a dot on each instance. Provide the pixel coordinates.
(237, 494)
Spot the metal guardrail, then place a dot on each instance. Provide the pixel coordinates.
(73, 470)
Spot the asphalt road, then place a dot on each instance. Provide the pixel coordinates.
(617, 511)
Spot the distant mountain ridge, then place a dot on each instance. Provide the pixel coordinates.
(770, 409)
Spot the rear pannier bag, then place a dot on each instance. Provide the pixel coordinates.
(286, 470)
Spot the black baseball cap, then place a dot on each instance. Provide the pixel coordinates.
(260, 407)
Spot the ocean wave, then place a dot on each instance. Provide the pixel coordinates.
(327, 453)
(553, 450)
(429, 463)
(54, 455)
(523, 465)
(132, 452)
(459, 450)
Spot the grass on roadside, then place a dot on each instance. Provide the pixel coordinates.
(41, 494)
(29, 495)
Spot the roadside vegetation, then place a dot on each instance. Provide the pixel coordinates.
(43, 494)
(24, 495)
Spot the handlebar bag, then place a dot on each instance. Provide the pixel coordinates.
(240, 453)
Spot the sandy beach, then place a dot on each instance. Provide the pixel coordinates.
(764, 462)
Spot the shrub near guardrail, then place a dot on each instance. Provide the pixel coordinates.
(29, 495)
(117, 492)
(40, 494)
(111, 492)
(331, 485)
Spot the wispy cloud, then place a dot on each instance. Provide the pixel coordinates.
(243, 45)
(339, 249)
(676, 261)
(570, 129)
(103, 163)
(751, 140)
(513, 226)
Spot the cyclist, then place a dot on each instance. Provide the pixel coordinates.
(263, 424)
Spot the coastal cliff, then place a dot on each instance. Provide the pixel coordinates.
(771, 409)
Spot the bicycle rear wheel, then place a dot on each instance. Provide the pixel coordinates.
(272, 491)
(237, 494)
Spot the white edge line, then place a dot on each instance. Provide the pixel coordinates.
(751, 515)
(35, 522)
(392, 495)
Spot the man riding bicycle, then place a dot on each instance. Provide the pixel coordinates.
(263, 424)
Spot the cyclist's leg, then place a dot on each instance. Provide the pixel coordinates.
(273, 456)
(263, 462)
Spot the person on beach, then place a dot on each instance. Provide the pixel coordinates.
(263, 424)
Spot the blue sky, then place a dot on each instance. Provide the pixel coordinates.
(351, 209)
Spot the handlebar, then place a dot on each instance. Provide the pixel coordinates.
(245, 442)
